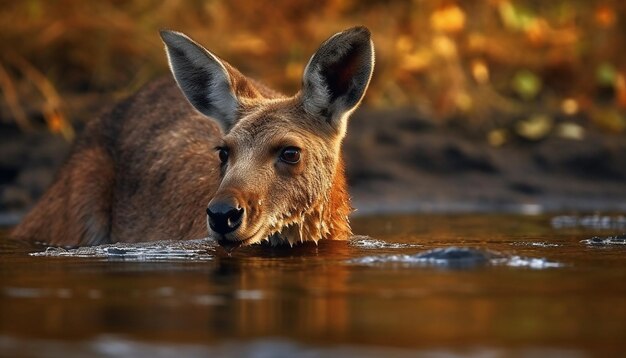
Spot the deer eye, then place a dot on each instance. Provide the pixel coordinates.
(222, 153)
(290, 155)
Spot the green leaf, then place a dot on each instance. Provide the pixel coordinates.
(606, 74)
(526, 84)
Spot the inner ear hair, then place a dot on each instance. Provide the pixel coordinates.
(337, 76)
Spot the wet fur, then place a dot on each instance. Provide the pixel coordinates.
(146, 170)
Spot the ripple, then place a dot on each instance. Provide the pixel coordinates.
(596, 222)
(443, 257)
(164, 250)
(366, 242)
(33, 292)
(457, 257)
(536, 244)
(605, 241)
(530, 262)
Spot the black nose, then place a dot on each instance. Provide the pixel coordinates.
(224, 217)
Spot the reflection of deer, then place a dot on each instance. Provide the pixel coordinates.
(248, 294)
(147, 170)
(265, 299)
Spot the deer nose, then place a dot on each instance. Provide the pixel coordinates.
(224, 217)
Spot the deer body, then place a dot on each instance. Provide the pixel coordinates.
(218, 154)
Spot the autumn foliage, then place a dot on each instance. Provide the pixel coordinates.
(500, 65)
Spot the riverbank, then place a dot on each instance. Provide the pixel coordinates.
(399, 161)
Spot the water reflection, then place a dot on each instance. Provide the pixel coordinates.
(316, 297)
(253, 292)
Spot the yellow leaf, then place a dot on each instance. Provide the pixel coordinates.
(449, 18)
(444, 47)
(480, 71)
(534, 128)
(570, 130)
(569, 106)
(416, 61)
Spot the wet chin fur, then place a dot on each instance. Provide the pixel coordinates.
(261, 236)
(286, 230)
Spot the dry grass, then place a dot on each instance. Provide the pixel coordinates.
(476, 60)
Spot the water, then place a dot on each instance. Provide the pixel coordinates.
(425, 286)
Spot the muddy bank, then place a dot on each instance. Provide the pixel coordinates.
(399, 161)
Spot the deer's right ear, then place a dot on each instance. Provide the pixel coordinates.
(203, 78)
(337, 76)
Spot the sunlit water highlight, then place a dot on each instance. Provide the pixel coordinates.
(425, 286)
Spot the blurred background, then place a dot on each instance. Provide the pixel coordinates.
(476, 106)
(474, 59)
(501, 72)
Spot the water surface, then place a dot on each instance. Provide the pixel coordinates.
(495, 285)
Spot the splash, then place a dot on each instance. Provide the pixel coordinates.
(366, 242)
(536, 244)
(529, 262)
(163, 250)
(457, 258)
(605, 241)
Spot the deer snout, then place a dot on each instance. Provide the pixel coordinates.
(225, 215)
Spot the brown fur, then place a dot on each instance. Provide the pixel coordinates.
(147, 170)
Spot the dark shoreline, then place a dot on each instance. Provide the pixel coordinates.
(400, 162)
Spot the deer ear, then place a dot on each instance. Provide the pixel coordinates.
(337, 75)
(203, 78)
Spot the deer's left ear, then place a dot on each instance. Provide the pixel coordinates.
(337, 76)
(205, 80)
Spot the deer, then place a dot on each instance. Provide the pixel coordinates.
(213, 151)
